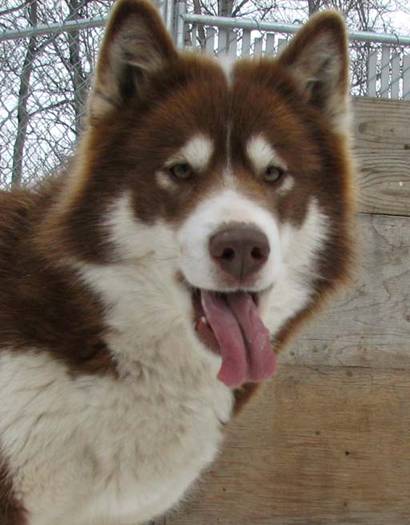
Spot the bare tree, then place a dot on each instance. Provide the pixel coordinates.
(43, 85)
(76, 71)
(22, 114)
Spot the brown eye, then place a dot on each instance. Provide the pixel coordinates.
(273, 173)
(181, 170)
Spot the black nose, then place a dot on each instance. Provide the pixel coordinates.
(240, 250)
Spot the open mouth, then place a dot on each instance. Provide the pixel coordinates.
(230, 325)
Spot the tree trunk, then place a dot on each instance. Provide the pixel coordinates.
(225, 7)
(201, 29)
(78, 78)
(24, 93)
(313, 6)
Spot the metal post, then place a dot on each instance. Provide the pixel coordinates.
(180, 24)
(169, 15)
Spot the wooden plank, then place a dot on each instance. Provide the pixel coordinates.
(194, 37)
(372, 74)
(382, 141)
(246, 43)
(222, 41)
(395, 76)
(326, 446)
(210, 40)
(232, 44)
(385, 72)
(257, 47)
(406, 77)
(282, 43)
(369, 324)
(270, 44)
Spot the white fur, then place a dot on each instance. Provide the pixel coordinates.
(286, 185)
(165, 181)
(197, 152)
(293, 289)
(214, 211)
(262, 154)
(104, 451)
(227, 63)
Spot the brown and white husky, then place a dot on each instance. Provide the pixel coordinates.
(206, 212)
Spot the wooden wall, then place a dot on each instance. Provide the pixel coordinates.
(328, 440)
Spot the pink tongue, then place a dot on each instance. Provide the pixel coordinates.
(244, 341)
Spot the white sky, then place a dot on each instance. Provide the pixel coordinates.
(402, 22)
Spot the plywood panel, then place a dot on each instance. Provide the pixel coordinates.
(382, 141)
(372, 74)
(319, 447)
(369, 324)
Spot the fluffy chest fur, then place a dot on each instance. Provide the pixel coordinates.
(115, 449)
(108, 450)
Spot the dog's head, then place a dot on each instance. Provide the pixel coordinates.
(230, 184)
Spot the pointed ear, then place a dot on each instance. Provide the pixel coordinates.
(318, 59)
(135, 44)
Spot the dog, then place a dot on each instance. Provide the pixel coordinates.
(146, 289)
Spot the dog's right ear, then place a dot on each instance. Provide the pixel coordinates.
(135, 44)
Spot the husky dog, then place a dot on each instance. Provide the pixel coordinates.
(146, 291)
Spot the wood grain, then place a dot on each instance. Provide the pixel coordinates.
(369, 324)
(382, 146)
(319, 447)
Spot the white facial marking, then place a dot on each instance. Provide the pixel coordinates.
(261, 154)
(227, 63)
(294, 289)
(197, 152)
(228, 179)
(286, 185)
(165, 181)
(131, 238)
(213, 212)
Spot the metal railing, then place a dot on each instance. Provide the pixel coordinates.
(46, 65)
(380, 63)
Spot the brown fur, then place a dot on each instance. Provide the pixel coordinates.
(43, 305)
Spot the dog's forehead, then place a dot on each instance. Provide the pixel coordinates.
(236, 102)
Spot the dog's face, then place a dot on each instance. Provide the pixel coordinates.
(233, 182)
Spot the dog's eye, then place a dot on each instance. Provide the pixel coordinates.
(273, 173)
(181, 170)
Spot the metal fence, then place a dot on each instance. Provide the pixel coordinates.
(47, 58)
(380, 63)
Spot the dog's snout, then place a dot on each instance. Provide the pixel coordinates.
(240, 250)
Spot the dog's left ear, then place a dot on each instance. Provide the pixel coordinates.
(135, 45)
(318, 59)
